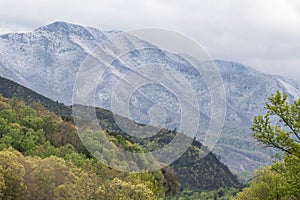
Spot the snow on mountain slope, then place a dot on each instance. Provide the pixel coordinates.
(290, 89)
(47, 59)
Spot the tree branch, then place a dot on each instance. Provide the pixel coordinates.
(289, 125)
(274, 145)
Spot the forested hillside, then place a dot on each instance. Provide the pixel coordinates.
(11, 89)
(37, 162)
(48, 136)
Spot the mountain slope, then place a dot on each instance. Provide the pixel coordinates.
(247, 93)
(192, 172)
(48, 59)
(10, 89)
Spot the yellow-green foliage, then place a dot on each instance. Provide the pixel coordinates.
(122, 190)
(54, 178)
(267, 185)
(41, 157)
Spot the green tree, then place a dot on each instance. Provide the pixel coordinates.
(279, 128)
(119, 189)
(12, 173)
(2, 184)
(267, 185)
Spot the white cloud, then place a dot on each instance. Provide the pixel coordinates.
(262, 33)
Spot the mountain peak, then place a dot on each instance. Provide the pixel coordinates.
(63, 27)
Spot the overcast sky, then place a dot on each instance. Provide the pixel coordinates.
(264, 34)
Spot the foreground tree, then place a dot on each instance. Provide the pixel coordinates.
(279, 128)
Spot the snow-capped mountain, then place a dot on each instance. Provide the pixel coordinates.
(47, 60)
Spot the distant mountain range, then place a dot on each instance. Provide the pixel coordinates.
(47, 60)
